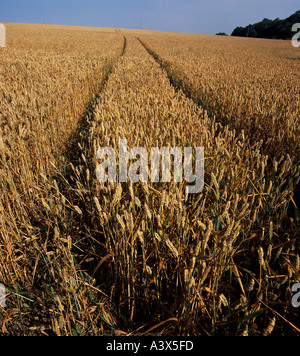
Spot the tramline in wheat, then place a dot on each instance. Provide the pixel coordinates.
(80, 257)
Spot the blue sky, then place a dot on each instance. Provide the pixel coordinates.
(194, 16)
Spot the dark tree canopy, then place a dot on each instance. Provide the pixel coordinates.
(274, 29)
(221, 34)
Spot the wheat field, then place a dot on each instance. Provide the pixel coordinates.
(80, 257)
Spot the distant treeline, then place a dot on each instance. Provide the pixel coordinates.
(275, 29)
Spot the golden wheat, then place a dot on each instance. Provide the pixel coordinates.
(80, 257)
(139, 104)
(252, 85)
(48, 76)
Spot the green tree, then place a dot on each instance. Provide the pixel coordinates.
(281, 29)
(251, 32)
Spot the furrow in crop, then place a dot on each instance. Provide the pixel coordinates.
(274, 147)
(169, 253)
